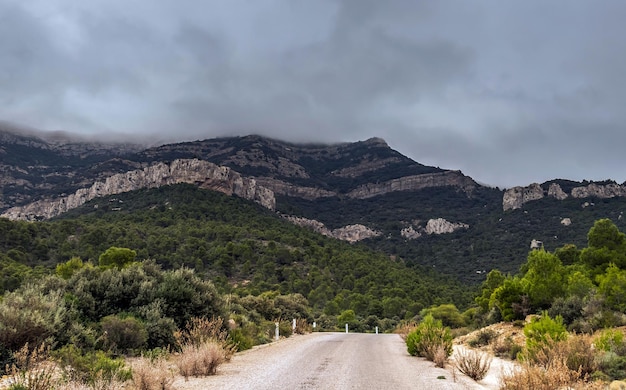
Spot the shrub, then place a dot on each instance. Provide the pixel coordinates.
(484, 337)
(610, 341)
(123, 334)
(29, 315)
(91, 367)
(428, 337)
(506, 348)
(543, 331)
(200, 360)
(576, 353)
(555, 376)
(240, 340)
(473, 364)
(610, 366)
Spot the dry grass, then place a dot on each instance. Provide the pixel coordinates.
(153, 374)
(200, 360)
(440, 356)
(473, 363)
(577, 353)
(404, 329)
(199, 331)
(556, 376)
(32, 369)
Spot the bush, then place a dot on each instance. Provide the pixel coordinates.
(123, 334)
(555, 376)
(240, 340)
(429, 340)
(200, 360)
(611, 341)
(30, 316)
(543, 331)
(473, 364)
(506, 348)
(484, 337)
(91, 367)
(576, 353)
(610, 366)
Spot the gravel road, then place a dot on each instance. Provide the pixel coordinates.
(331, 361)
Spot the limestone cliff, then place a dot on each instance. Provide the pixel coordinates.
(202, 173)
(516, 197)
(416, 182)
(283, 188)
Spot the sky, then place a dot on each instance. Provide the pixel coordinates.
(509, 92)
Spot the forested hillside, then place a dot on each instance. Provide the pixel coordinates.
(239, 246)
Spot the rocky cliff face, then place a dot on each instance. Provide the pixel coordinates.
(202, 173)
(516, 197)
(413, 183)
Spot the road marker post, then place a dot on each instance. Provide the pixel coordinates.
(277, 332)
(377, 330)
(346, 328)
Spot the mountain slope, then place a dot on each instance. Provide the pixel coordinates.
(363, 191)
(239, 245)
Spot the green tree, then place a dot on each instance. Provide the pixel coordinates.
(494, 280)
(612, 284)
(509, 299)
(568, 254)
(448, 314)
(543, 281)
(67, 269)
(604, 234)
(117, 257)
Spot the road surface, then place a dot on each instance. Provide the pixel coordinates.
(331, 361)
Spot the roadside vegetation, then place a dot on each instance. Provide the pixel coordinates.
(561, 316)
(181, 278)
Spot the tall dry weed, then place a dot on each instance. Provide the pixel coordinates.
(152, 374)
(32, 369)
(473, 363)
(200, 360)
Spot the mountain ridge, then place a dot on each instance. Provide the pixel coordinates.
(361, 191)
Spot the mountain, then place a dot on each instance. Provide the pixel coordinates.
(358, 192)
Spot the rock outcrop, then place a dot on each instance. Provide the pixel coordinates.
(415, 182)
(283, 188)
(354, 233)
(433, 226)
(599, 191)
(556, 191)
(516, 197)
(202, 173)
(350, 233)
(441, 226)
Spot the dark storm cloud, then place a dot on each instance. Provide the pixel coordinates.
(508, 92)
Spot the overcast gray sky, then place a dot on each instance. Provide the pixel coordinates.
(509, 92)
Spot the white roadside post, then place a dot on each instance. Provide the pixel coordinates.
(314, 326)
(346, 328)
(377, 330)
(293, 326)
(277, 333)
